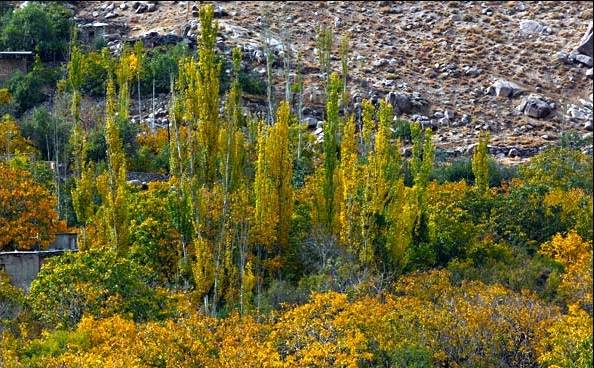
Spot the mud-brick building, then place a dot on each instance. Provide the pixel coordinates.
(13, 61)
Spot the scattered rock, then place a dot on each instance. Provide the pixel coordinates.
(379, 63)
(151, 7)
(472, 71)
(141, 8)
(487, 11)
(583, 59)
(466, 119)
(576, 113)
(220, 12)
(588, 126)
(110, 15)
(562, 57)
(589, 73)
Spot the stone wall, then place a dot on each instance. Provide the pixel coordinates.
(10, 66)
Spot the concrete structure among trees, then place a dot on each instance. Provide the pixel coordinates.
(22, 266)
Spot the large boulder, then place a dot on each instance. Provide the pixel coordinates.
(536, 107)
(528, 26)
(503, 88)
(584, 59)
(400, 101)
(585, 45)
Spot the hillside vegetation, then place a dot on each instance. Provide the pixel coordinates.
(268, 244)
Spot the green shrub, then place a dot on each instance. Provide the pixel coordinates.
(251, 83)
(12, 300)
(461, 169)
(95, 282)
(95, 74)
(402, 130)
(29, 90)
(560, 167)
(161, 64)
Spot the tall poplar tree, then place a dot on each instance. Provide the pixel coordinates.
(331, 146)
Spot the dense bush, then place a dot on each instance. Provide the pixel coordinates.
(461, 169)
(12, 300)
(561, 167)
(153, 237)
(30, 89)
(94, 282)
(426, 321)
(37, 26)
(160, 65)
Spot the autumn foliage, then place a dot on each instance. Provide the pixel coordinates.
(267, 245)
(28, 217)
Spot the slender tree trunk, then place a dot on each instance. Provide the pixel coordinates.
(57, 168)
(139, 102)
(153, 118)
(300, 118)
(269, 84)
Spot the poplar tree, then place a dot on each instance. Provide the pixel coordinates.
(331, 145)
(298, 88)
(84, 172)
(344, 62)
(480, 163)
(324, 42)
(115, 196)
(350, 172)
(139, 54)
(126, 68)
(207, 92)
(421, 164)
(272, 186)
(367, 128)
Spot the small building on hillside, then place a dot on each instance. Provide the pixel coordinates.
(13, 61)
(92, 30)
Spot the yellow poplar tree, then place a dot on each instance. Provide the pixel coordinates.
(349, 172)
(115, 192)
(272, 186)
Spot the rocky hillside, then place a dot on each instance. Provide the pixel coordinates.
(513, 68)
